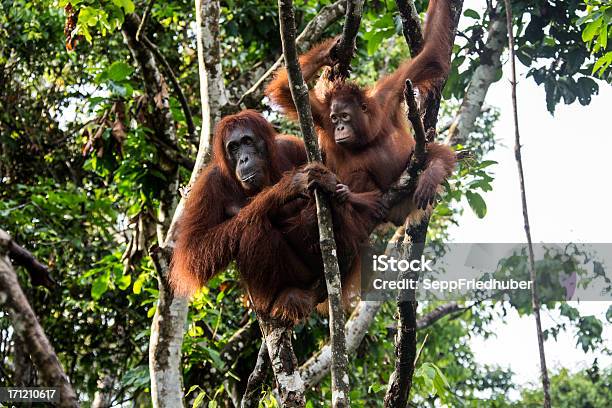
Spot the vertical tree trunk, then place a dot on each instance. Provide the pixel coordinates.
(400, 381)
(482, 78)
(299, 93)
(212, 88)
(167, 330)
(168, 323)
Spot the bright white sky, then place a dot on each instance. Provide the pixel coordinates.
(567, 166)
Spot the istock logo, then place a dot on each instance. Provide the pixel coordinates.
(384, 263)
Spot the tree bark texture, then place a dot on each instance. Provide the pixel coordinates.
(299, 92)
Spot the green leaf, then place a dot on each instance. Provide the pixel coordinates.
(472, 13)
(441, 376)
(82, 29)
(88, 16)
(376, 388)
(119, 71)
(199, 399)
(603, 63)
(486, 163)
(138, 284)
(524, 57)
(603, 36)
(590, 30)
(127, 5)
(215, 356)
(477, 203)
(124, 282)
(192, 389)
(100, 285)
(481, 184)
(374, 41)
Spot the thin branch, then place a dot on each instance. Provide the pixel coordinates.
(535, 301)
(145, 17)
(346, 47)
(439, 312)
(175, 83)
(418, 157)
(406, 183)
(411, 25)
(311, 33)
(299, 93)
(39, 273)
(256, 379)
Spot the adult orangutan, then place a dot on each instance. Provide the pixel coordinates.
(248, 156)
(363, 133)
(274, 238)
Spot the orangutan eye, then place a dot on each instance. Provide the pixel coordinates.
(345, 116)
(232, 147)
(248, 141)
(334, 118)
(364, 107)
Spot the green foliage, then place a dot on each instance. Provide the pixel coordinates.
(82, 172)
(429, 379)
(589, 388)
(552, 36)
(102, 15)
(596, 33)
(379, 30)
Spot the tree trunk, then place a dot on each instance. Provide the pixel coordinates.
(26, 327)
(484, 75)
(168, 323)
(166, 340)
(299, 93)
(284, 363)
(24, 369)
